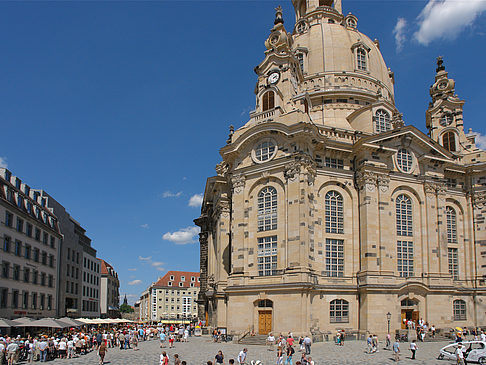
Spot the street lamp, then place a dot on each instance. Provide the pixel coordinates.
(388, 317)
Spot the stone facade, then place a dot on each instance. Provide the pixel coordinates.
(31, 242)
(172, 298)
(328, 207)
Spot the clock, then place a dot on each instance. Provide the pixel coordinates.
(443, 85)
(273, 78)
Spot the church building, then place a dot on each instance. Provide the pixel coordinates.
(328, 211)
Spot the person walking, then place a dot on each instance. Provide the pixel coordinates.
(279, 356)
(219, 357)
(102, 352)
(177, 361)
(459, 354)
(396, 351)
(290, 353)
(307, 344)
(164, 359)
(413, 348)
(12, 349)
(43, 346)
(242, 356)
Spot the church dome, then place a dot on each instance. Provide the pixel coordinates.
(334, 49)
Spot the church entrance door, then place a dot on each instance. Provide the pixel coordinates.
(264, 322)
(409, 314)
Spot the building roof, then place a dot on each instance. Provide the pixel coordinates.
(107, 269)
(173, 279)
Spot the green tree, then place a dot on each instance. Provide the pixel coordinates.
(125, 308)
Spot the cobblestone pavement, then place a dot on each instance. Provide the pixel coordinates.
(200, 349)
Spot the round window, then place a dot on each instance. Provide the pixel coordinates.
(404, 160)
(264, 151)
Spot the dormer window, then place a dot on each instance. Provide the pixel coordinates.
(350, 22)
(183, 278)
(268, 101)
(193, 278)
(169, 283)
(172, 277)
(382, 121)
(449, 141)
(181, 284)
(361, 59)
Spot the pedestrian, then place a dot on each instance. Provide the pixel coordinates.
(396, 351)
(177, 361)
(219, 357)
(459, 354)
(242, 356)
(290, 353)
(301, 343)
(162, 339)
(310, 361)
(369, 342)
(164, 360)
(121, 338)
(231, 361)
(135, 342)
(171, 340)
(12, 349)
(279, 356)
(413, 348)
(307, 344)
(43, 346)
(102, 352)
(388, 341)
(343, 336)
(270, 341)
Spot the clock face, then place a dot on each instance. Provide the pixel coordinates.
(273, 78)
(443, 85)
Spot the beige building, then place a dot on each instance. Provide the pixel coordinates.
(172, 298)
(109, 291)
(31, 241)
(327, 210)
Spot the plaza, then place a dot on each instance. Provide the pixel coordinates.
(199, 350)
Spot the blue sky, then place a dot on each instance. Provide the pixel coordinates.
(118, 109)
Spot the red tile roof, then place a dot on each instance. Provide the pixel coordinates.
(176, 280)
(105, 266)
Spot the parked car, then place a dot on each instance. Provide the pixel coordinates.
(474, 351)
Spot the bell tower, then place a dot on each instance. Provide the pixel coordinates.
(445, 114)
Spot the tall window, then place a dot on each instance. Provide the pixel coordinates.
(459, 309)
(453, 263)
(404, 216)
(334, 258)
(404, 160)
(339, 311)
(382, 121)
(267, 256)
(334, 212)
(300, 57)
(405, 258)
(268, 100)
(361, 59)
(267, 209)
(449, 141)
(451, 225)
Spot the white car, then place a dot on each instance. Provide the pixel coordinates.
(474, 351)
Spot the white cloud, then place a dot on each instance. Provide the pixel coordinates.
(480, 140)
(196, 200)
(132, 269)
(135, 282)
(145, 226)
(157, 264)
(3, 162)
(182, 236)
(146, 259)
(170, 194)
(399, 33)
(445, 19)
(160, 269)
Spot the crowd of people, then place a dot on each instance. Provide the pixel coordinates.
(76, 342)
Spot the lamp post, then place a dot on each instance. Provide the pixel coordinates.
(388, 317)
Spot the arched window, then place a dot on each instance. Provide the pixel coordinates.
(268, 100)
(451, 225)
(449, 141)
(361, 59)
(404, 160)
(382, 121)
(334, 212)
(339, 311)
(267, 209)
(404, 216)
(459, 309)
